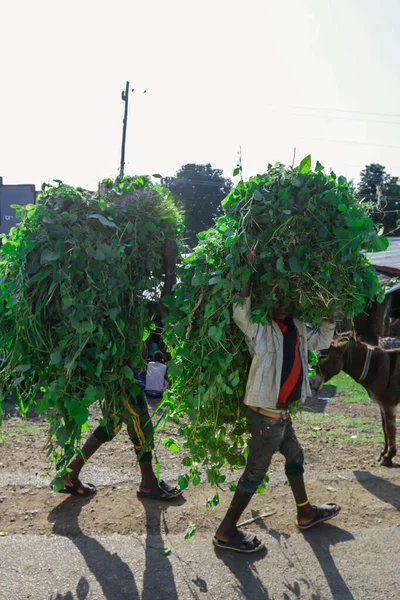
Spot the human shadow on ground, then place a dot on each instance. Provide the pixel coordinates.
(244, 569)
(318, 401)
(295, 588)
(381, 488)
(112, 573)
(82, 592)
(163, 585)
(321, 542)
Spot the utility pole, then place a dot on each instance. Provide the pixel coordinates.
(125, 98)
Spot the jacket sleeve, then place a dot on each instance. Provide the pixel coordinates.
(321, 338)
(242, 317)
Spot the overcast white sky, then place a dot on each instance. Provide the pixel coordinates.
(219, 74)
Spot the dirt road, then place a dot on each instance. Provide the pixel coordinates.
(116, 547)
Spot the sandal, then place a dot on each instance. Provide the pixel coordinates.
(241, 542)
(83, 490)
(321, 514)
(161, 491)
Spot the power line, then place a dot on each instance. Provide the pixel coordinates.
(346, 118)
(355, 112)
(352, 143)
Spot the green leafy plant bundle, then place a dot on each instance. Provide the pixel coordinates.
(79, 271)
(299, 234)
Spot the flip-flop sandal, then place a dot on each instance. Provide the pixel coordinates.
(88, 489)
(320, 514)
(161, 491)
(241, 542)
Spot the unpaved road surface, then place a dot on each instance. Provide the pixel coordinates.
(116, 547)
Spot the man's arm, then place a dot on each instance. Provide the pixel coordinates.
(321, 338)
(241, 310)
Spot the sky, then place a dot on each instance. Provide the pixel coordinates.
(261, 77)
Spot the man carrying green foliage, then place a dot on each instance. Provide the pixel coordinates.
(137, 419)
(277, 378)
(81, 270)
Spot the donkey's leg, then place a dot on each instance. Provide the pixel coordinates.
(386, 444)
(390, 423)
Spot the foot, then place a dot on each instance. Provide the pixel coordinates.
(147, 484)
(312, 515)
(160, 491)
(78, 489)
(240, 541)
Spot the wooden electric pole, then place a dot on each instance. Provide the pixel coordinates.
(125, 98)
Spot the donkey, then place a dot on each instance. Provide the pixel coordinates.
(377, 370)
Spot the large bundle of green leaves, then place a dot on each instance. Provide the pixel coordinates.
(79, 272)
(306, 231)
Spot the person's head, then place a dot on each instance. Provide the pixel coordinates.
(158, 356)
(280, 311)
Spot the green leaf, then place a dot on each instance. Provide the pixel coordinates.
(190, 531)
(280, 265)
(236, 171)
(151, 226)
(55, 358)
(187, 461)
(103, 220)
(305, 165)
(379, 244)
(171, 444)
(62, 436)
(214, 280)
(99, 255)
(22, 368)
(127, 372)
(113, 313)
(183, 481)
(99, 368)
(42, 405)
(57, 484)
(49, 256)
(79, 413)
(166, 551)
(295, 265)
(197, 279)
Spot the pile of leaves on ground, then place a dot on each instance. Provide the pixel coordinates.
(78, 274)
(306, 231)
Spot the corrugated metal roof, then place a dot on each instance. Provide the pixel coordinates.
(389, 260)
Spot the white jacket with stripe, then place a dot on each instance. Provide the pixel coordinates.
(266, 348)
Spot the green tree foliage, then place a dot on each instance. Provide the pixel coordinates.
(383, 190)
(199, 191)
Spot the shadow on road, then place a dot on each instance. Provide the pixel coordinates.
(379, 487)
(318, 401)
(244, 569)
(82, 592)
(321, 542)
(113, 574)
(164, 584)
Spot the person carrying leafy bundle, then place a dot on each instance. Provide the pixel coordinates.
(277, 378)
(140, 429)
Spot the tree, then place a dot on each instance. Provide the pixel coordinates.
(199, 191)
(383, 189)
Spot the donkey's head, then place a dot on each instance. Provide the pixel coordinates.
(331, 361)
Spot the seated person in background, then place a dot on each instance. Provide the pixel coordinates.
(156, 376)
